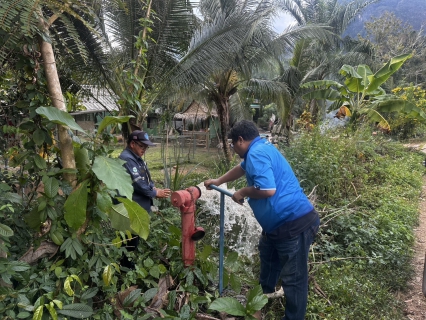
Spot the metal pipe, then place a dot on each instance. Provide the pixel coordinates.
(225, 192)
(222, 231)
(221, 240)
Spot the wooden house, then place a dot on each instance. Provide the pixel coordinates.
(99, 102)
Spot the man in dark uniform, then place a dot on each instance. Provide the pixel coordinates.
(144, 189)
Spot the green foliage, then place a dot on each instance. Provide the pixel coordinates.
(362, 94)
(222, 166)
(76, 205)
(267, 112)
(138, 216)
(366, 190)
(255, 301)
(59, 117)
(351, 294)
(110, 171)
(407, 127)
(182, 176)
(109, 120)
(56, 212)
(389, 35)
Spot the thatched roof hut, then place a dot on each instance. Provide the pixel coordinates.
(196, 113)
(196, 110)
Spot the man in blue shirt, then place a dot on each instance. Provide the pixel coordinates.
(288, 219)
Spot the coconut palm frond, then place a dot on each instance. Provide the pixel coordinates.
(214, 47)
(349, 12)
(351, 58)
(288, 39)
(292, 77)
(34, 17)
(174, 25)
(298, 53)
(294, 8)
(9, 42)
(122, 22)
(237, 108)
(94, 67)
(267, 89)
(318, 72)
(172, 30)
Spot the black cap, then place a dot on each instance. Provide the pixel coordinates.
(141, 136)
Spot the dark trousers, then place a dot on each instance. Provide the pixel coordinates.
(287, 259)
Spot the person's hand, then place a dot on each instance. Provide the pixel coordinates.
(163, 193)
(211, 181)
(238, 197)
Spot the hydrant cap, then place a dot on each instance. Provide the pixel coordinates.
(198, 234)
(196, 192)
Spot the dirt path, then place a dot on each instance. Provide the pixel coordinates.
(415, 302)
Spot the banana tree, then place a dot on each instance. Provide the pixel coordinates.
(362, 93)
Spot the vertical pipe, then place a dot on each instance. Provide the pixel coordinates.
(221, 240)
(222, 231)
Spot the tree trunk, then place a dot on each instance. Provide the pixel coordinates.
(313, 109)
(222, 110)
(55, 92)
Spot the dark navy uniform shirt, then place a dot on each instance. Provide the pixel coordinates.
(143, 187)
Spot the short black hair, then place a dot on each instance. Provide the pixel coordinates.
(245, 129)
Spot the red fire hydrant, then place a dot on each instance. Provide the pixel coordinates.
(185, 201)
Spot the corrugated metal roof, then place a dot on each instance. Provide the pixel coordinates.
(97, 99)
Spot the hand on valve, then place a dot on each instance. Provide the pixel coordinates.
(163, 193)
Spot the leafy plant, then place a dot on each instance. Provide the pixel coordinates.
(366, 190)
(255, 302)
(362, 94)
(408, 127)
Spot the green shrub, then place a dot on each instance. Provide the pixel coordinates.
(367, 191)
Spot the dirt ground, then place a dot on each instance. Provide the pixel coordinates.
(415, 302)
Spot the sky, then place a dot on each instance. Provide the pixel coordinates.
(282, 22)
(279, 24)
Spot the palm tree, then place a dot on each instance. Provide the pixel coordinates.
(49, 22)
(128, 50)
(146, 39)
(316, 60)
(234, 42)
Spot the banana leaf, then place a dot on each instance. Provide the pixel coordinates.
(387, 70)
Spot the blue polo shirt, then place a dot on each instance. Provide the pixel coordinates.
(267, 169)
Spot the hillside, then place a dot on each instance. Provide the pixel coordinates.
(412, 12)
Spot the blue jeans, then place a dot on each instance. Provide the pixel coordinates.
(288, 259)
